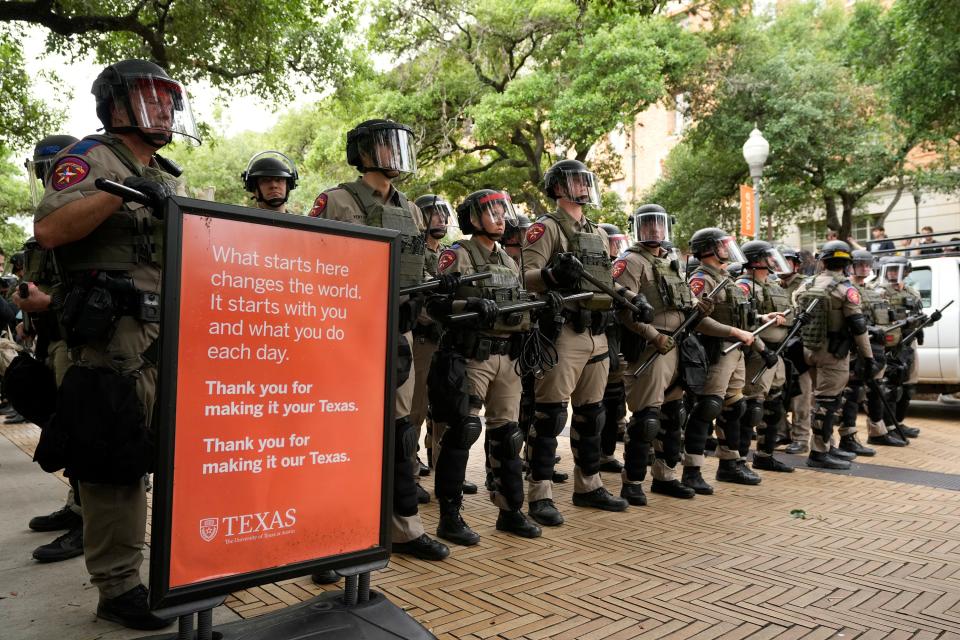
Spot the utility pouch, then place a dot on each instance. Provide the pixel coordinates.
(693, 364)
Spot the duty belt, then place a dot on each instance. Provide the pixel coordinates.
(427, 332)
(582, 319)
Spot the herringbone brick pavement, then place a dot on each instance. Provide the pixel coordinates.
(873, 559)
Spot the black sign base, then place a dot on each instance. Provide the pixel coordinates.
(326, 617)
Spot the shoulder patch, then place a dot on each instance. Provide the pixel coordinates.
(83, 147)
(68, 172)
(744, 287)
(535, 232)
(853, 296)
(697, 285)
(618, 268)
(318, 206)
(446, 259)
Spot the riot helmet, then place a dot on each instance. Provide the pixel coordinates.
(760, 254)
(137, 96)
(618, 240)
(651, 225)
(735, 269)
(715, 242)
(693, 263)
(436, 214)
(270, 164)
(835, 255)
(894, 269)
(382, 145)
(17, 261)
(486, 205)
(571, 180)
(39, 166)
(515, 231)
(862, 263)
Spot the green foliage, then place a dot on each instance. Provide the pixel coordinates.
(14, 201)
(23, 120)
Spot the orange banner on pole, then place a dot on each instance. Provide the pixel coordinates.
(747, 227)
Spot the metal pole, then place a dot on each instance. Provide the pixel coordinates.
(756, 207)
(916, 212)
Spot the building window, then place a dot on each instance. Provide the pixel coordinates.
(813, 234)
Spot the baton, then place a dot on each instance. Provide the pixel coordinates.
(693, 318)
(793, 331)
(895, 325)
(121, 191)
(913, 334)
(520, 306)
(433, 284)
(610, 291)
(760, 329)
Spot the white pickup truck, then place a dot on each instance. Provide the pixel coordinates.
(937, 278)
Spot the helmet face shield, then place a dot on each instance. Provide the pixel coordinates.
(772, 260)
(727, 250)
(652, 228)
(862, 268)
(893, 273)
(388, 149)
(618, 244)
(578, 186)
(495, 207)
(158, 106)
(37, 171)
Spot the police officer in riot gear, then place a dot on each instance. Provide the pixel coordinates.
(486, 351)
(270, 176)
(799, 383)
(655, 398)
(558, 249)
(837, 327)
(764, 407)
(614, 395)
(91, 231)
(382, 150)
(722, 399)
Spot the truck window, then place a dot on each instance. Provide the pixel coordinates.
(921, 279)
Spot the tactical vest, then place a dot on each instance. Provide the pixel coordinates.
(591, 250)
(772, 298)
(129, 237)
(730, 306)
(39, 266)
(431, 259)
(826, 318)
(387, 216)
(879, 313)
(667, 291)
(503, 287)
(904, 303)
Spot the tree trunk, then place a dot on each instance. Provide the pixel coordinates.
(846, 224)
(830, 205)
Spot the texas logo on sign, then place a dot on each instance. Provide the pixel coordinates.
(208, 528)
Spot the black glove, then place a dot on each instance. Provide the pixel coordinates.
(935, 316)
(803, 318)
(554, 302)
(867, 368)
(486, 311)
(770, 359)
(449, 282)
(644, 312)
(156, 192)
(564, 271)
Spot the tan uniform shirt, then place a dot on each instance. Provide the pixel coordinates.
(636, 271)
(543, 240)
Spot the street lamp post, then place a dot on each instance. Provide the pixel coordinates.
(916, 211)
(755, 152)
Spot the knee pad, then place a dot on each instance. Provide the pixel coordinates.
(551, 418)
(732, 413)
(673, 415)
(644, 425)
(849, 411)
(614, 399)
(406, 435)
(909, 390)
(752, 414)
(773, 410)
(588, 420)
(463, 434)
(707, 408)
(503, 448)
(505, 442)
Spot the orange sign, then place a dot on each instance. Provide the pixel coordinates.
(747, 227)
(279, 424)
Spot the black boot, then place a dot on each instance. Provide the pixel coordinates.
(769, 463)
(747, 471)
(821, 460)
(729, 471)
(851, 444)
(132, 610)
(888, 439)
(633, 493)
(797, 448)
(422, 496)
(424, 548)
(693, 479)
(599, 498)
(910, 432)
(611, 466)
(69, 545)
(424, 470)
(841, 454)
(546, 513)
(516, 523)
(325, 577)
(672, 488)
(559, 477)
(452, 526)
(63, 518)
(469, 488)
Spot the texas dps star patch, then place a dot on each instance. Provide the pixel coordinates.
(697, 285)
(68, 172)
(618, 268)
(853, 296)
(318, 206)
(447, 258)
(535, 232)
